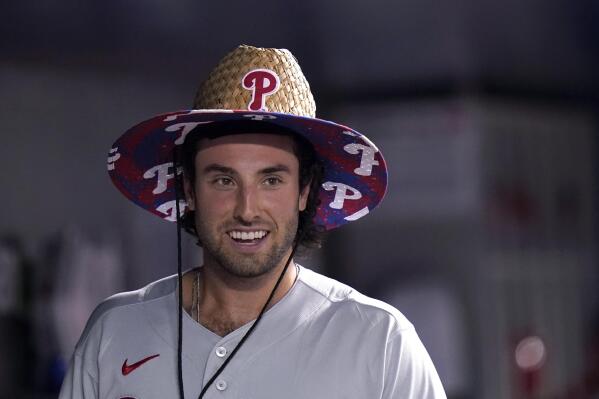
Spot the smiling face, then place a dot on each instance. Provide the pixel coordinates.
(247, 200)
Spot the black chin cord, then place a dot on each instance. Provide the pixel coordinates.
(179, 277)
(178, 184)
(253, 326)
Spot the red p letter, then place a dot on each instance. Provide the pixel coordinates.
(262, 83)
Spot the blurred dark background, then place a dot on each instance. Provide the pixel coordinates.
(486, 112)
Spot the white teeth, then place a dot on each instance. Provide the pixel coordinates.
(244, 235)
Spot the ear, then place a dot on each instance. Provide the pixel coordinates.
(189, 194)
(303, 197)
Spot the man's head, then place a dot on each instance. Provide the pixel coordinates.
(257, 85)
(250, 180)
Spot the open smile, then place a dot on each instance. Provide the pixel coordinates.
(246, 240)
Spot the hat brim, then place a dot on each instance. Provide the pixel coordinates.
(355, 173)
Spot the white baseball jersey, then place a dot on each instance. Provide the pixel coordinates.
(321, 340)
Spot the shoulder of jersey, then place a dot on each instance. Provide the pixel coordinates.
(154, 290)
(342, 295)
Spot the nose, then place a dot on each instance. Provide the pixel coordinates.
(247, 207)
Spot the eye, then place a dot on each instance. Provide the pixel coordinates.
(273, 181)
(223, 181)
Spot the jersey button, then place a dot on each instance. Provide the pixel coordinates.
(221, 385)
(221, 351)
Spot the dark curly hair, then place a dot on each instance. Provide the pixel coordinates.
(309, 234)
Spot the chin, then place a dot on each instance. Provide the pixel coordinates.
(246, 266)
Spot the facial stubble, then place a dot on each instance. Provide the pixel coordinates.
(246, 265)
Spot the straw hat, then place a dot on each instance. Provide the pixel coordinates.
(252, 84)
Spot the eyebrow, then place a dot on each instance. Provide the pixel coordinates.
(275, 169)
(214, 167)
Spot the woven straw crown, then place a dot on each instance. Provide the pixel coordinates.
(224, 89)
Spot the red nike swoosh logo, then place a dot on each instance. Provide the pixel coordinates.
(131, 367)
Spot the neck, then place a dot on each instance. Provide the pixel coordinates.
(227, 302)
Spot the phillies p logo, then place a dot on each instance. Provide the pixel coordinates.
(262, 83)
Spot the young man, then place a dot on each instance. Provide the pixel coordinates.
(258, 182)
